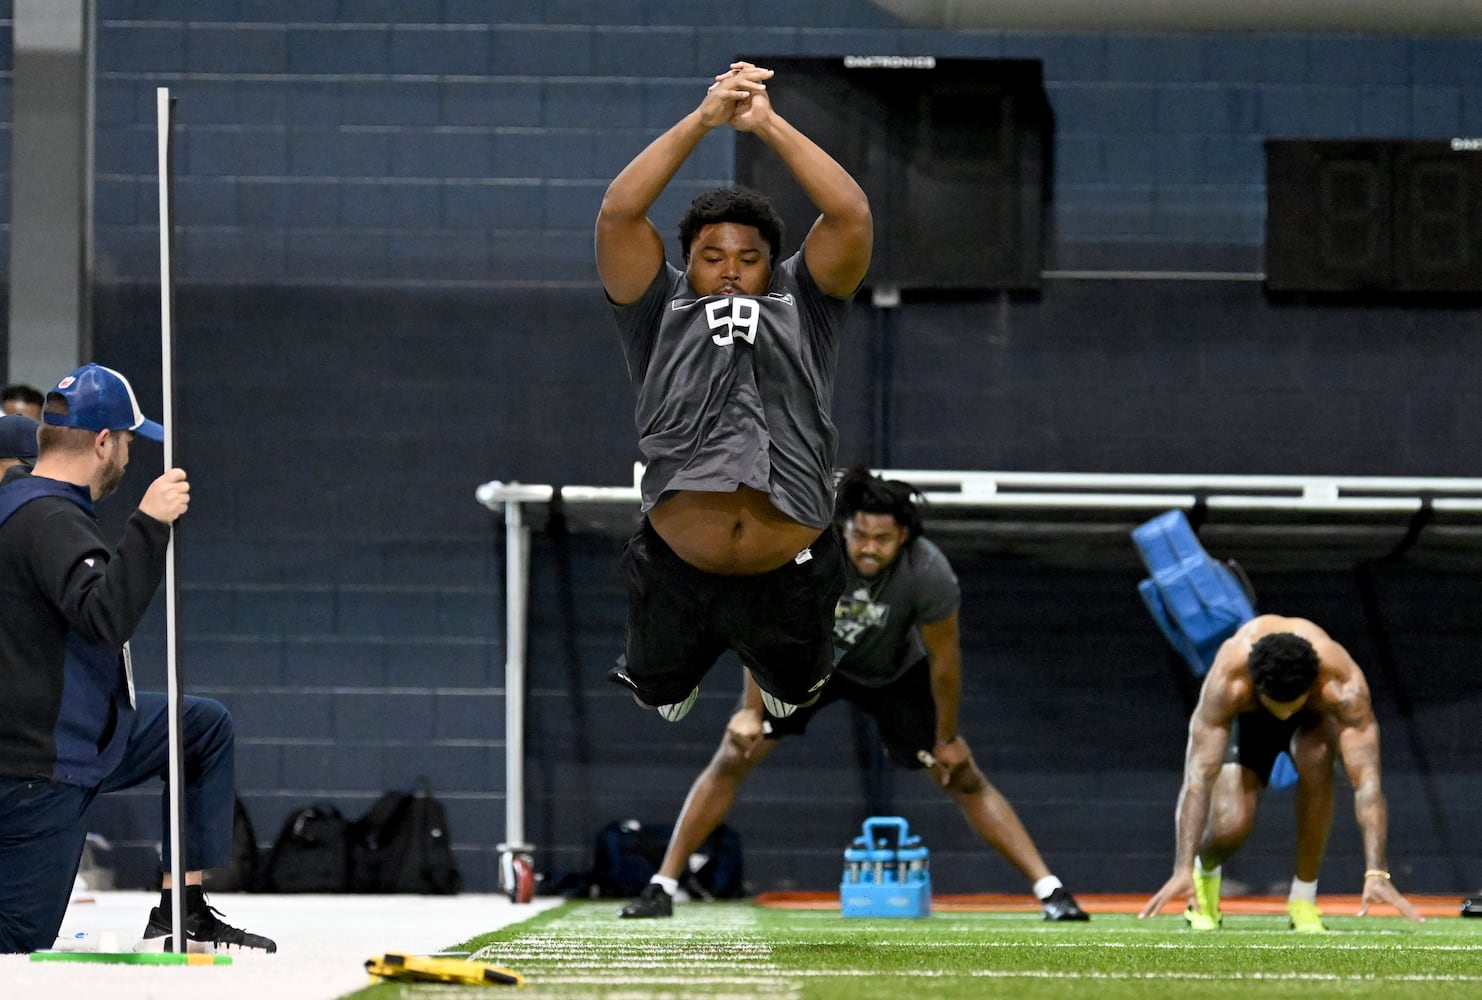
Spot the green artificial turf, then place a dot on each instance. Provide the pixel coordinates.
(736, 950)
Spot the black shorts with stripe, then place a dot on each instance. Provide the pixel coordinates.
(681, 619)
(904, 711)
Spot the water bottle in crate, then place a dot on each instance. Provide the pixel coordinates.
(886, 872)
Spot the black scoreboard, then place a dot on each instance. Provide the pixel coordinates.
(954, 155)
(1374, 215)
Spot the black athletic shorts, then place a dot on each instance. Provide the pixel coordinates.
(903, 709)
(681, 619)
(1257, 738)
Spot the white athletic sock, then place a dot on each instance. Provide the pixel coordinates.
(1208, 871)
(671, 885)
(1304, 890)
(1045, 886)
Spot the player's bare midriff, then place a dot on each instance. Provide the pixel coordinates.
(731, 534)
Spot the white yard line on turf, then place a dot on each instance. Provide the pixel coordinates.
(323, 942)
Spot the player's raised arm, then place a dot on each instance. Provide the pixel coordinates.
(629, 248)
(839, 245)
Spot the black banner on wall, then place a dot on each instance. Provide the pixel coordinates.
(1374, 216)
(954, 155)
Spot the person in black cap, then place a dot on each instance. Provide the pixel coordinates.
(17, 441)
(71, 724)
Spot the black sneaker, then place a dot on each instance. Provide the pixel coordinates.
(1061, 905)
(205, 933)
(653, 901)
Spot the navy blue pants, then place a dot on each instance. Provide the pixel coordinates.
(43, 824)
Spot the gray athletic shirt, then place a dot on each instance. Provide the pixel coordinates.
(875, 621)
(737, 389)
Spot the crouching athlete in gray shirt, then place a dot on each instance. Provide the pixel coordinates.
(733, 363)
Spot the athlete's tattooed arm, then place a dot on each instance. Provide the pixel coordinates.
(1351, 716)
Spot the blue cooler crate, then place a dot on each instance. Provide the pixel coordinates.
(886, 872)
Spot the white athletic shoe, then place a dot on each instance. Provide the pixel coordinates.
(777, 708)
(780, 709)
(679, 709)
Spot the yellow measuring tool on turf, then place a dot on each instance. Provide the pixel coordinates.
(423, 969)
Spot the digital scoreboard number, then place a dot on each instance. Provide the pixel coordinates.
(1374, 216)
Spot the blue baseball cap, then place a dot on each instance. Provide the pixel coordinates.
(100, 399)
(18, 437)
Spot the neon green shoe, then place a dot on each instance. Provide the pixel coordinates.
(1200, 922)
(1306, 919)
(1206, 917)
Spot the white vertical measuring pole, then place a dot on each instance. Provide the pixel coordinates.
(517, 590)
(175, 698)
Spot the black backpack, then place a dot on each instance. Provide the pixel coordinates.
(628, 853)
(311, 854)
(401, 844)
(719, 874)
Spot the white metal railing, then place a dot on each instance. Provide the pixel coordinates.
(1111, 491)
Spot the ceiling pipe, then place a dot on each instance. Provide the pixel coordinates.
(1379, 17)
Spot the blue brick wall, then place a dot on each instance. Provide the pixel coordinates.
(385, 215)
(441, 149)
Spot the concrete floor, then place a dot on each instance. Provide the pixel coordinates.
(323, 942)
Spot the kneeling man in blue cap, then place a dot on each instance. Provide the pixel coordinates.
(71, 724)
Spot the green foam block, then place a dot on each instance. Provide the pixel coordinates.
(131, 957)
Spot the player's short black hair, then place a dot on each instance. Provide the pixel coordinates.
(25, 393)
(1282, 666)
(732, 204)
(860, 491)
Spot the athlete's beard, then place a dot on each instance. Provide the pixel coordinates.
(110, 475)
